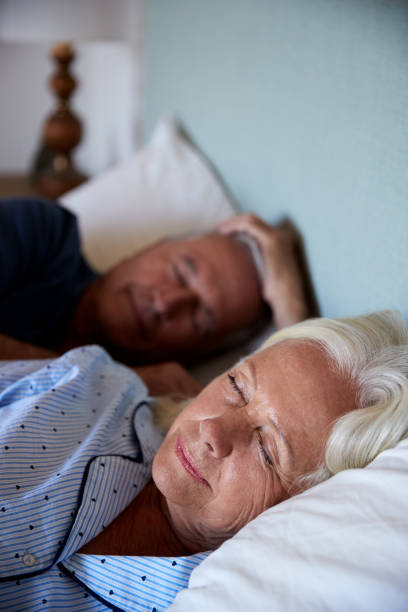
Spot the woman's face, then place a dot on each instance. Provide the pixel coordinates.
(240, 445)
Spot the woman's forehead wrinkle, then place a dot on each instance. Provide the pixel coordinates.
(252, 371)
(248, 370)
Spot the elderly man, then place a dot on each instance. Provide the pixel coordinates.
(173, 299)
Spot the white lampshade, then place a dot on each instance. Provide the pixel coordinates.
(73, 20)
(107, 36)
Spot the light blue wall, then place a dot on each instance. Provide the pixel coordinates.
(302, 105)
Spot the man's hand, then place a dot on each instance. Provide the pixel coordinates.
(283, 286)
(169, 378)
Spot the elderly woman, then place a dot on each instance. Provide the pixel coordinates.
(78, 442)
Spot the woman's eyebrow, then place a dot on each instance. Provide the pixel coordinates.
(252, 372)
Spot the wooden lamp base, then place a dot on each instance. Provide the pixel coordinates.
(54, 172)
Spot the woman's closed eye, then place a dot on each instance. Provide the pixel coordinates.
(263, 452)
(265, 457)
(233, 381)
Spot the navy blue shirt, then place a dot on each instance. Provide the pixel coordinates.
(42, 271)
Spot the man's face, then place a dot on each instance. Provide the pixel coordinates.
(240, 446)
(177, 298)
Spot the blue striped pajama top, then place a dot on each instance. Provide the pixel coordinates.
(77, 442)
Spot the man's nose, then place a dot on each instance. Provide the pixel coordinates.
(170, 300)
(220, 434)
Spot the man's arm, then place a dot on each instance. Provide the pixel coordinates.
(10, 348)
(283, 282)
(169, 378)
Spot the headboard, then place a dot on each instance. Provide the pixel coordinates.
(302, 108)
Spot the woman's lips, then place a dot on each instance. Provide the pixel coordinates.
(186, 462)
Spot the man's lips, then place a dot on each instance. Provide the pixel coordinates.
(187, 463)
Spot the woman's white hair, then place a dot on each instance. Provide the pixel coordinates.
(372, 352)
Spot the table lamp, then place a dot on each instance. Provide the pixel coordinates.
(59, 22)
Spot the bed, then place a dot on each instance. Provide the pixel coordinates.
(302, 109)
(340, 545)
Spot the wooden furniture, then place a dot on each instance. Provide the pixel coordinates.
(54, 172)
(16, 185)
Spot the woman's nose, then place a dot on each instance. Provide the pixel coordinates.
(169, 300)
(221, 434)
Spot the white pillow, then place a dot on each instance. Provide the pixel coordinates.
(165, 188)
(340, 546)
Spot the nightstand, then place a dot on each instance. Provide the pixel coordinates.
(19, 185)
(15, 185)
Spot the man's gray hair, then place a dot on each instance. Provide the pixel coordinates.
(372, 352)
(242, 237)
